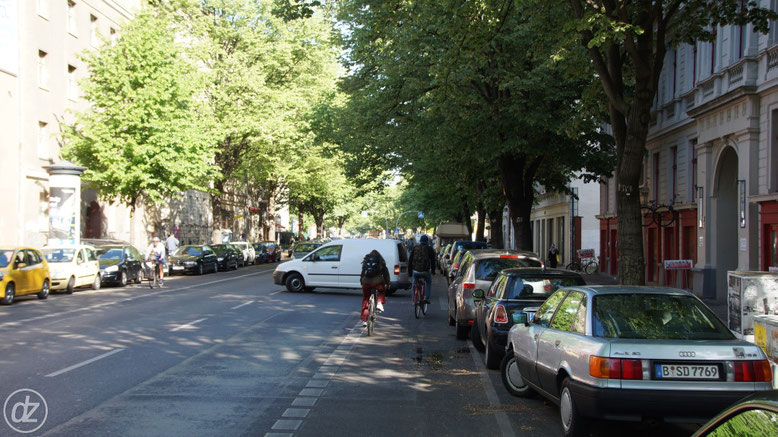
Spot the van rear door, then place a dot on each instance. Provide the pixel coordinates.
(402, 275)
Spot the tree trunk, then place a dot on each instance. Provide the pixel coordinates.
(479, 232)
(517, 176)
(466, 213)
(495, 229)
(319, 220)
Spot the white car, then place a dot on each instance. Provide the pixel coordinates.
(72, 267)
(249, 255)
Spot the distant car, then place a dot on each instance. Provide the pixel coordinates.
(23, 271)
(242, 261)
(630, 353)
(511, 291)
(227, 256)
(457, 246)
(72, 267)
(249, 255)
(196, 259)
(478, 269)
(754, 416)
(304, 248)
(119, 264)
(261, 253)
(273, 251)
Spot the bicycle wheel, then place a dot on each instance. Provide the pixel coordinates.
(665, 216)
(591, 267)
(648, 216)
(371, 315)
(574, 267)
(416, 301)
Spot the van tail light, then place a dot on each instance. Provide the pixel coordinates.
(753, 371)
(468, 285)
(396, 269)
(615, 368)
(500, 315)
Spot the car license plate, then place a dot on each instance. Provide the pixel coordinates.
(687, 371)
(178, 267)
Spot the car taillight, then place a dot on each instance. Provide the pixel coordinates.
(509, 256)
(753, 371)
(615, 368)
(456, 266)
(500, 315)
(468, 285)
(396, 270)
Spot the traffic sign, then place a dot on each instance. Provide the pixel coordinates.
(421, 215)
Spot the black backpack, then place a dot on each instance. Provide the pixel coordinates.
(421, 261)
(371, 266)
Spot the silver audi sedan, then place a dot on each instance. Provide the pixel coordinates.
(630, 353)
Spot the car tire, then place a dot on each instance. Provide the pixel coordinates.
(462, 330)
(573, 424)
(44, 293)
(97, 282)
(475, 337)
(491, 357)
(139, 276)
(295, 283)
(123, 278)
(511, 377)
(10, 294)
(200, 269)
(71, 285)
(215, 268)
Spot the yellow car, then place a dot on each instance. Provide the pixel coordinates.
(73, 266)
(23, 270)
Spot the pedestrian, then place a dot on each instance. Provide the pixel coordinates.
(553, 256)
(171, 243)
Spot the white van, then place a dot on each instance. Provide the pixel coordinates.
(338, 264)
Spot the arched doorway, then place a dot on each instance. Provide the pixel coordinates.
(726, 226)
(94, 221)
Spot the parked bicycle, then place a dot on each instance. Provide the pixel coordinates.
(372, 311)
(584, 261)
(661, 214)
(419, 304)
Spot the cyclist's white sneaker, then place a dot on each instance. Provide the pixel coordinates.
(380, 307)
(364, 324)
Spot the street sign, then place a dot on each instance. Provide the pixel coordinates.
(586, 253)
(396, 230)
(421, 215)
(678, 264)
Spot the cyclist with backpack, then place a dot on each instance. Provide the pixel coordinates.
(374, 275)
(422, 261)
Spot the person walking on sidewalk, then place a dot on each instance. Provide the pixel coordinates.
(422, 261)
(553, 252)
(171, 243)
(374, 275)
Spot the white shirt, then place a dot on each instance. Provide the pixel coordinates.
(172, 243)
(156, 249)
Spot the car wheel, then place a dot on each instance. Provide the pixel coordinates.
(215, 268)
(295, 283)
(123, 278)
(511, 377)
(97, 282)
(139, 276)
(475, 337)
(462, 330)
(71, 285)
(200, 269)
(10, 293)
(491, 358)
(573, 424)
(44, 293)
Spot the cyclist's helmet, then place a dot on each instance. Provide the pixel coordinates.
(424, 239)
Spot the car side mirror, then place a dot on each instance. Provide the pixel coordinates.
(478, 294)
(520, 318)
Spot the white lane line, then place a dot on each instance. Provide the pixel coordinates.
(242, 305)
(188, 324)
(276, 292)
(502, 419)
(76, 366)
(142, 296)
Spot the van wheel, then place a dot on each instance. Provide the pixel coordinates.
(295, 283)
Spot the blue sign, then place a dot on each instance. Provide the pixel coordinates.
(396, 230)
(421, 215)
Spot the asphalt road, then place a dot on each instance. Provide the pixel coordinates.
(233, 354)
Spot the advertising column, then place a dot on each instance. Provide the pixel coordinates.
(65, 203)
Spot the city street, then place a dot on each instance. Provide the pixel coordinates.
(233, 354)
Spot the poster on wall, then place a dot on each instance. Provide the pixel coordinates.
(62, 215)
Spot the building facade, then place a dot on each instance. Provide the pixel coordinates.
(711, 165)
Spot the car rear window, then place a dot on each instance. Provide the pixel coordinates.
(402, 253)
(533, 287)
(487, 269)
(655, 316)
(59, 255)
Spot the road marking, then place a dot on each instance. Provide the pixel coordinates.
(242, 305)
(188, 324)
(276, 292)
(76, 366)
(502, 419)
(104, 304)
(287, 425)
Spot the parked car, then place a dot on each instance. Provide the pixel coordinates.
(242, 261)
(511, 291)
(72, 267)
(119, 263)
(454, 266)
(304, 248)
(457, 246)
(273, 251)
(23, 271)
(338, 264)
(442, 255)
(478, 270)
(628, 353)
(754, 416)
(249, 255)
(226, 256)
(261, 253)
(196, 259)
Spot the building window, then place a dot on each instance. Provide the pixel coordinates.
(774, 150)
(93, 30)
(675, 70)
(43, 8)
(713, 50)
(741, 33)
(43, 149)
(693, 170)
(674, 171)
(71, 17)
(656, 177)
(72, 85)
(43, 69)
(694, 64)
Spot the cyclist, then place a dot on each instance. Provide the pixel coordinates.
(374, 275)
(422, 261)
(156, 254)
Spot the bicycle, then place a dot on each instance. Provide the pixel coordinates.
(153, 275)
(372, 313)
(419, 304)
(654, 212)
(586, 265)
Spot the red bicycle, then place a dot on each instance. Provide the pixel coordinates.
(419, 304)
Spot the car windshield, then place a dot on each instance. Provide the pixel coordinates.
(192, 251)
(5, 257)
(105, 253)
(59, 255)
(655, 316)
(487, 269)
(219, 250)
(305, 247)
(534, 287)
